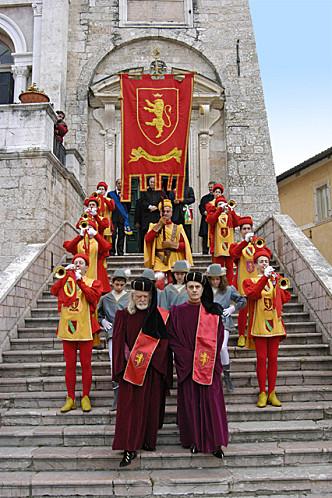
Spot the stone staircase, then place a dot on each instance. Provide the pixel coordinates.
(283, 452)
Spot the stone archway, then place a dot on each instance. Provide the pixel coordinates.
(207, 144)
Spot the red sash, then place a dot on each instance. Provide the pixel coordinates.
(139, 358)
(205, 347)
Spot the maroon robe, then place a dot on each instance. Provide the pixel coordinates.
(201, 412)
(140, 409)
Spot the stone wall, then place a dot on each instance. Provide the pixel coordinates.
(310, 272)
(98, 47)
(24, 278)
(37, 193)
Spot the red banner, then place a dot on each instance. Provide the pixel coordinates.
(155, 127)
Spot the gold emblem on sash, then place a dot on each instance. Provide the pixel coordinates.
(203, 358)
(139, 359)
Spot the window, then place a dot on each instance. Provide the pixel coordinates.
(322, 202)
(6, 77)
(156, 13)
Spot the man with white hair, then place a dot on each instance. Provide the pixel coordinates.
(141, 366)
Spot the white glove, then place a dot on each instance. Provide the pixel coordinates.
(229, 311)
(106, 324)
(268, 271)
(82, 232)
(223, 205)
(71, 266)
(248, 236)
(92, 232)
(78, 274)
(98, 191)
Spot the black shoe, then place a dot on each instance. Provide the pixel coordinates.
(128, 456)
(218, 454)
(146, 447)
(193, 449)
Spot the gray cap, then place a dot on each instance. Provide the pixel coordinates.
(149, 273)
(119, 274)
(215, 270)
(181, 265)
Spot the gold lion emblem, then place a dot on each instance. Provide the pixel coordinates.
(203, 358)
(139, 359)
(158, 108)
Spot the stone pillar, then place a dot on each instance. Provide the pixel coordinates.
(37, 7)
(20, 74)
(106, 118)
(53, 57)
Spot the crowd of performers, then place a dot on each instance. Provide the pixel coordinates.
(172, 315)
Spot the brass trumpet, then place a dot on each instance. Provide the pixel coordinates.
(232, 203)
(284, 283)
(85, 216)
(84, 224)
(259, 242)
(59, 271)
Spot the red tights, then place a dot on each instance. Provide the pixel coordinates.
(267, 352)
(227, 262)
(242, 320)
(70, 354)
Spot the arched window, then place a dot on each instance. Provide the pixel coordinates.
(6, 76)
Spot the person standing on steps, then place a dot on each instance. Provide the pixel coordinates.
(203, 228)
(120, 220)
(109, 304)
(149, 202)
(78, 298)
(196, 334)
(243, 257)
(142, 367)
(266, 295)
(225, 295)
(175, 293)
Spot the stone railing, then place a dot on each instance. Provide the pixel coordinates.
(24, 279)
(310, 272)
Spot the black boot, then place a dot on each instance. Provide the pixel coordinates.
(115, 386)
(227, 378)
(128, 456)
(218, 453)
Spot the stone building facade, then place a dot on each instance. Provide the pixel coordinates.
(77, 56)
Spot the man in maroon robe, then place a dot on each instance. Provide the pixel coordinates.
(141, 366)
(195, 333)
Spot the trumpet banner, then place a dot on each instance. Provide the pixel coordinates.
(155, 127)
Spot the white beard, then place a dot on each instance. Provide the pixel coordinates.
(142, 307)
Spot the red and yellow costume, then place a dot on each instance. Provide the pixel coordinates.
(77, 302)
(221, 226)
(242, 254)
(265, 328)
(166, 244)
(105, 209)
(97, 248)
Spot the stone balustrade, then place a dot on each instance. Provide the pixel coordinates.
(310, 272)
(24, 279)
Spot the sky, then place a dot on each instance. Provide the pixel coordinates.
(294, 46)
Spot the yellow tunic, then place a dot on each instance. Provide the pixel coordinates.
(246, 267)
(223, 235)
(75, 321)
(92, 244)
(154, 256)
(266, 322)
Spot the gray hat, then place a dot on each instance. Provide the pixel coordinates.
(149, 273)
(119, 274)
(215, 270)
(181, 265)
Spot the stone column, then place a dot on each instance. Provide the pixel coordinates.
(37, 7)
(20, 74)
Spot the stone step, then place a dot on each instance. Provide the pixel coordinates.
(49, 325)
(54, 343)
(48, 382)
(241, 365)
(239, 482)
(48, 355)
(237, 414)
(91, 458)
(241, 395)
